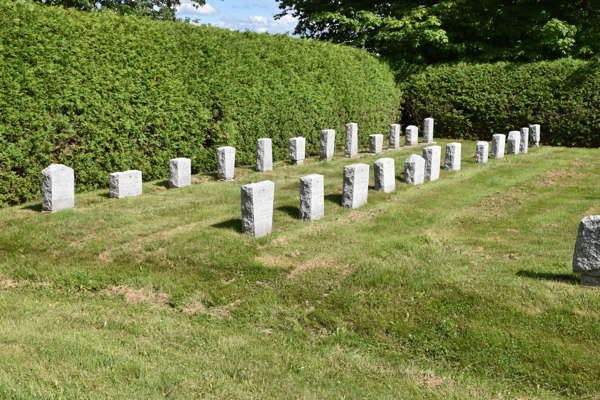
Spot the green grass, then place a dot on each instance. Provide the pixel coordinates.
(456, 289)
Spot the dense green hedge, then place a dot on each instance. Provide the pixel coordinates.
(477, 101)
(103, 93)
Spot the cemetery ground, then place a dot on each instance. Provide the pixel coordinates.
(456, 289)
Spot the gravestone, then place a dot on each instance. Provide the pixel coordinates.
(452, 161)
(534, 133)
(586, 257)
(414, 170)
(57, 187)
(312, 197)
(428, 130)
(481, 152)
(257, 208)
(394, 139)
(385, 175)
(264, 155)
(411, 136)
(498, 142)
(296, 150)
(375, 144)
(524, 143)
(432, 156)
(327, 145)
(125, 184)
(513, 142)
(226, 163)
(356, 185)
(180, 172)
(351, 140)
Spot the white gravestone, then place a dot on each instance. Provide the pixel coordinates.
(452, 161)
(351, 140)
(385, 175)
(411, 137)
(481, 152)
(257, 208)
(394, 139)
(428, 130)
(375, 144)
(312, 197)
(180, 172)
(226, 163)
(534, 132)
(356, 185)
(125, 184)
(296, 150)
(586, 258)
(414, 170)
(513, 142)
(327, 145)
(498, 142)
(264, 155)
(57, 187)
(433, 157)
(524, 143)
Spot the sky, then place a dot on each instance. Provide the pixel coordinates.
(256, 16)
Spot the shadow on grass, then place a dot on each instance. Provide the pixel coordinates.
(164, 184)
(566, 278)
(104, 194)
(400, 178)
(33, 207)
(334, 198)
(293, 212)
(234, 224)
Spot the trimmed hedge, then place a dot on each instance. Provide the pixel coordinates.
(103, 93)
(476, 101)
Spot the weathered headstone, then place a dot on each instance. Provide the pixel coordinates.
(57, 187)
(498, 142)
(257, 208)
(452, 161)
(351, 140)
(264, 155)
(414, 170)
(513, 142)
(524, 143)
(385, 175)
(481, 152)
(327, 145)
(312, 197)
(428, 130)
(356, 185)
(296, 150)
(375, 144)
(125, 184)
(394, 139)
(180, 172)
(586, 258)
(432, 156)
(411, 136)
(226, 163)
(534, 132)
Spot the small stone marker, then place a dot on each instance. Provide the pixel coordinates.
(264, 155)
(257, 208)
(296, 150)
(534, 132)
(411, 136)
(327, 144)
(514, 139)
(414, 170)
(356, 185)
(498, 142)
(432, 156)
(524, 143)
(452, 161)
(586, 258)
(481, 152)
(125, 184)
(351, 140)
(180, 172)
(394, 139)
(312, 197)
(385, 175)
(226, 163)
(375, 144)
(428, 130)
(57, 187)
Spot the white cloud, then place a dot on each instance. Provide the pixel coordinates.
(258, 24)
(188, 8)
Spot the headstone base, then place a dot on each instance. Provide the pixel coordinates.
(397, 147)
(297, 162)
(588, 280)
(428, 141)
(535, 145)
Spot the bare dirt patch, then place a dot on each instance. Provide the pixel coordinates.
(136, 296)
(199, 181)
(217, 312)
(300, 268)
(8, 284)
(426, 378)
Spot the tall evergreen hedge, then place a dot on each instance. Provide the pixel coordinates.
(103, 93)
(477, 101)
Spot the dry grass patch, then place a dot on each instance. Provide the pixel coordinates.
(217, 312)
(137, 296)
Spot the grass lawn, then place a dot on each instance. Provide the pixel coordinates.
(456, 289)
